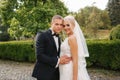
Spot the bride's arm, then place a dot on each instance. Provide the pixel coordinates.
(74, 51)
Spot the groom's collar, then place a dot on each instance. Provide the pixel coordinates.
(52, 31)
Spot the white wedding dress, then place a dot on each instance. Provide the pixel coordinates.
(66, 70)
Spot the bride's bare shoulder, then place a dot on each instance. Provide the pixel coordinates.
(72, 39)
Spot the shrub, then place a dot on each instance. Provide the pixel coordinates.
(17, 51)
(105, 54)
(115, 33)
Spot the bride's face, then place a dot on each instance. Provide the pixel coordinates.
(68, 27)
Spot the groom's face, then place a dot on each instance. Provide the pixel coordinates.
(57, 25)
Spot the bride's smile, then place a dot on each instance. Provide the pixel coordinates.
(68, 27)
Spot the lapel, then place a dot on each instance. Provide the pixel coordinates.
(52, 39)
(59, 41)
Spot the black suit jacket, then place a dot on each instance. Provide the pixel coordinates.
(47, 56)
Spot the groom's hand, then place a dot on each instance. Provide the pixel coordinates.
(65, 59)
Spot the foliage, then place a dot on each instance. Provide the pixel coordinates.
(114, 11)
(105, 20)
(103, 53)
(29, 16)
(115, 33)
(7, 10)
(14, 31)
(92, 19)
(93, 22)
(17, 51)
(84, 15)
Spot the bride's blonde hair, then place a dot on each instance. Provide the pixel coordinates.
(70, 19)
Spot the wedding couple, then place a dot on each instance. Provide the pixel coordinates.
(61, 61)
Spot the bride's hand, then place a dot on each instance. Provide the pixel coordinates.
(65, 59)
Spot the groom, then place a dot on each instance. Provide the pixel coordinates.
(48, 51)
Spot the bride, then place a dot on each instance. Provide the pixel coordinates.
(74, 46)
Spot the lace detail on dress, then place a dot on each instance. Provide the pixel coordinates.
(65, 48)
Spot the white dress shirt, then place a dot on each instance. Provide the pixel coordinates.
(57, 46)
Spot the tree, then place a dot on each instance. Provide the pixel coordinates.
(30, 15)
(91, 19)
(114, 11)
(93, 22)
(6, 12)
(105, 20)
(82, 15)
(14, 31)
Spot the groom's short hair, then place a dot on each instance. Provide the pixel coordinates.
(57, 17)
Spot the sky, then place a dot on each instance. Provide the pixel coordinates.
(75, 5)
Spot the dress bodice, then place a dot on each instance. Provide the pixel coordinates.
(65, 48)
(66, 70)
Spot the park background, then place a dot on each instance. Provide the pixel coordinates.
(20, 20)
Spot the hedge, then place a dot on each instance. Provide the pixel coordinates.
(115, 33)
(17, 51)
(103, 53)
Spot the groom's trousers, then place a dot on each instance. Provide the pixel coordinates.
(55, 76)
